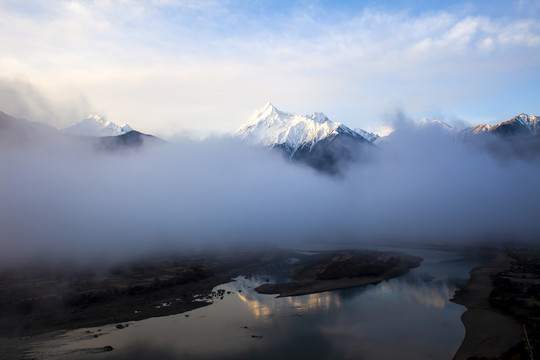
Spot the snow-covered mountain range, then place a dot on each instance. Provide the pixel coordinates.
(274, 128)
(523, 124)
(312, 139)
(97, 125)
(327, 145)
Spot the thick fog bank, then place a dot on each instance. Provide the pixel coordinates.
(70, 201)
(426, 185)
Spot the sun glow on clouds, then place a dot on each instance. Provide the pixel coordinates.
(170, 66)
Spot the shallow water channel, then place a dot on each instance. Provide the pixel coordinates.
(409, 317)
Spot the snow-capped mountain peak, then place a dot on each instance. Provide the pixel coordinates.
(266, 110)
(434, 122)
(272, 127)
(97, 125)
(528, 121)
(481, 129)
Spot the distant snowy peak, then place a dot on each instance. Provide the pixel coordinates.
(477, 129)
(522, 124)
(435, 122)
(272, 127)
(97, 125)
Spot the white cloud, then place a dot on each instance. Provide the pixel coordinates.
(178, 64)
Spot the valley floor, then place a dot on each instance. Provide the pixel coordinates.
(38, 298)
(39, 302)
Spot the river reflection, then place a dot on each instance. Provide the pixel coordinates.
(415, 291)
(409, 317)
(265, 305)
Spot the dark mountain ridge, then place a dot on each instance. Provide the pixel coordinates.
(18, 131)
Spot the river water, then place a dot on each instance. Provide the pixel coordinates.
(409, 317)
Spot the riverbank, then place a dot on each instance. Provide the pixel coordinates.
(489, 331)
(42, 298)
(39, 298)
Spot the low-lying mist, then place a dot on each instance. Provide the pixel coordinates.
(68, 201)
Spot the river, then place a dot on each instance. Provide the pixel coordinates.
(409, 317)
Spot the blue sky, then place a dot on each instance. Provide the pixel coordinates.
(201, 67)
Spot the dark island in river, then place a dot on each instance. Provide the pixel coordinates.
(341, 269)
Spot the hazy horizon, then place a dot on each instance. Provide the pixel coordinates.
(196, 71)
(170, 68)
(61, 198)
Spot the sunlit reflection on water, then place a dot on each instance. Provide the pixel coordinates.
(415, 291)
(266, 305)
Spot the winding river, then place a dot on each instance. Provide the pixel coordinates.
(409, 317)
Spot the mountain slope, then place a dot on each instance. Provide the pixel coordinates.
(21, 132)
(519, 136)
(521, 125)
(272, 127)
(97, 125)
(312, 139)
(107, 136)
(130, 140)
(371, 137)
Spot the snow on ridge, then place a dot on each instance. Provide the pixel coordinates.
(371, 137)
(272, 127)
(97, 125)
(434, 122)
(530, 122)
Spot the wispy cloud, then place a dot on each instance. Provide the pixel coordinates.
(171, 65)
